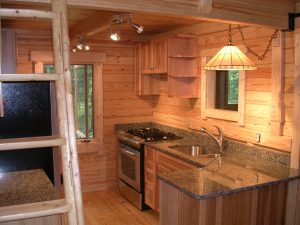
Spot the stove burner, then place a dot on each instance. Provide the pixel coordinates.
(152, 134)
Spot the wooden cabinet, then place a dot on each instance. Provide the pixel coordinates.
(154, 56)
(155, 164)
(145, 83)
(177, 57)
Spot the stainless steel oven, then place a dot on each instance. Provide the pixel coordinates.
(130, 185)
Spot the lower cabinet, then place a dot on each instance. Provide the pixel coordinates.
(156, 163)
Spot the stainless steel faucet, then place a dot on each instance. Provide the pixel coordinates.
(219, 139)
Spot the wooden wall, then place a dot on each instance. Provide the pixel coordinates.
(120, 104)
(185, 113)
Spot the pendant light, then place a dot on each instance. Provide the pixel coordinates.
(230, 57)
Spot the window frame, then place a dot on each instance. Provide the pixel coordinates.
(39, 58)
(86, 102)
(208, 96)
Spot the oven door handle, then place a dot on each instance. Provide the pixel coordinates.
(128, 152)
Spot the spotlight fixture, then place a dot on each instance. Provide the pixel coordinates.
(81, 44)
(117, 21)
(115, 36)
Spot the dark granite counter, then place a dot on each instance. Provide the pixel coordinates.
(242, 167)
(23, 187)
(222, 176)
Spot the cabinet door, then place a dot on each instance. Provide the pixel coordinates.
(159, 169)
(160, 55)
(147, 57)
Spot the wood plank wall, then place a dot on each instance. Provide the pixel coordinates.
(185, 113)
(121, 105)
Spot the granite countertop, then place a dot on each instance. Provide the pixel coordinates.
(23, 187)
(230, 174)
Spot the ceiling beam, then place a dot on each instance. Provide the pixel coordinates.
(92, 25)
(251, 12)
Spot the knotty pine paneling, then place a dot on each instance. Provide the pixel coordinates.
(186, 113)
(120, 104)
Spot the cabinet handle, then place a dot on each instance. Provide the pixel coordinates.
(1, 102)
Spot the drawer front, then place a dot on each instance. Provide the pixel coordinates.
(149, 154)
(171, 163)
(161, 169)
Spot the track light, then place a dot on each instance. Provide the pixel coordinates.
(81, 44)
(139, 29)
(117, 21)
(115, 36)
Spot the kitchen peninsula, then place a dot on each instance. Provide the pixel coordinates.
(245, 185)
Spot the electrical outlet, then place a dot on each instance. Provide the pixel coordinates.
(257, 138)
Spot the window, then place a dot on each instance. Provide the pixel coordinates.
(223, 95)
(227, 90)
(82, 91)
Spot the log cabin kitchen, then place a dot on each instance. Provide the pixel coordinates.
(162, 112)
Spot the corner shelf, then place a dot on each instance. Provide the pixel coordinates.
(183, 77)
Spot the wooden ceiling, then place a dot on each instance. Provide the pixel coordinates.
(85, 21)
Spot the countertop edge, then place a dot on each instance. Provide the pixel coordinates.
(227, 192)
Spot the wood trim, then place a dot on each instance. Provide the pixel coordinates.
(295, 156)
(208, 80)
(277, 107)
(222, 114)
(33, 210)
(205, 6)
(254, 12)
(75, 57)
(26, 13)
(242, 98)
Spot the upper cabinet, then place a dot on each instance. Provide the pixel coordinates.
(154, 56)
(176, 57)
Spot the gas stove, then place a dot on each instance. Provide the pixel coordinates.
(136, 137)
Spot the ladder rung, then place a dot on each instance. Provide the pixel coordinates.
(31, 142)
(26, 13)
(32, 210)
(29, 77)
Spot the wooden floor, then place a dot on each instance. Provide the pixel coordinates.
(110, 208)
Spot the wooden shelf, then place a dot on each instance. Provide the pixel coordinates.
(32, 210)
(31, 142)
(183, 66)
(28, 77)
(183, 87)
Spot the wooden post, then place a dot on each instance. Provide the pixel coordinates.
(277, 107)
(295, 157)
(1, 96)
(293, 195)
(59, 7)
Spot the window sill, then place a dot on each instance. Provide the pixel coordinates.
(222, 114)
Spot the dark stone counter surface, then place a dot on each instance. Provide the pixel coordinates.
(232, 172)
(23, 187)
(241, 166)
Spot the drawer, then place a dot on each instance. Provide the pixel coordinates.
(171, 163)
(149, 154)
(161, 169)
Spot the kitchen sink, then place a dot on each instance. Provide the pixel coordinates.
(192, 150)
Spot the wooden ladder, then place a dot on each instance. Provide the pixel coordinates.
(72, 204)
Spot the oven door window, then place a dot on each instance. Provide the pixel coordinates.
(129, 166)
